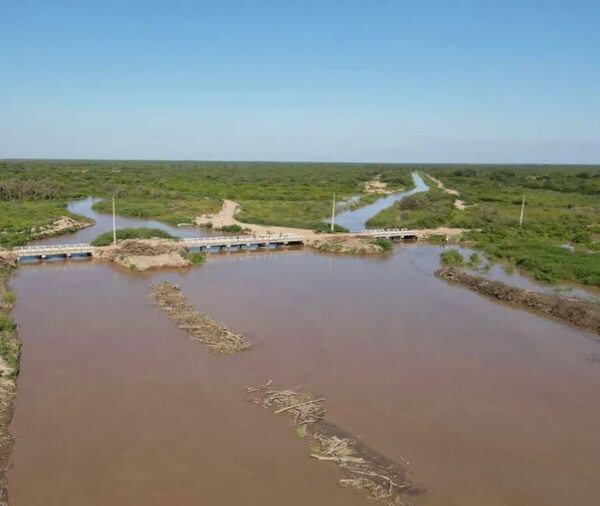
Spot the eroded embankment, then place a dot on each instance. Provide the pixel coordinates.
(144, 254)
(10, 351)
(198, 326)
(582, 314)
(361, 467)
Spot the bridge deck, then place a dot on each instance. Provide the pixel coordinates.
(204, 243)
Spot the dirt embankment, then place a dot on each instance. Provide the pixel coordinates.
(378, 187)
(226, 217)
(62, 225)
(200, 327)
(458, 203)
(9, 368)
(144, 254)
(346, 245)
(582, 314)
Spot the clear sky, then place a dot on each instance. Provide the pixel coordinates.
(330, 80)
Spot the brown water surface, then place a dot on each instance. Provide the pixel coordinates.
(490, 405)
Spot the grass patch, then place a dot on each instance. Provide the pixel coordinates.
(452, 257)
(168, 209)
(195, 258)
(106, 238)
(385, 244)
(232, 229)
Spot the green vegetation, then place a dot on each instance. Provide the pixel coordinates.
(10, 346)
(232, 229)
(562, 202)
(34, 193)
(562, 208)
(325, 227)
(474, 260)
(385, 244)
(106, 238)
(452, 257)
(194, 258)
(169, 210)
(20, 221)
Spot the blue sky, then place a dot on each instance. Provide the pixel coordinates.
(336, 80)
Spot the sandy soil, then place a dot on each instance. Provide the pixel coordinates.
(377, 187)
(144, 263)
(144, 254)
(226, 216)
(60, 226)
(459, 204)
(345, 244)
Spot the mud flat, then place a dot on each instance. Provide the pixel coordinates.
(582, 314)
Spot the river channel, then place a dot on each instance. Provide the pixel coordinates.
(490, 405)
(103, 223)
(356, 220)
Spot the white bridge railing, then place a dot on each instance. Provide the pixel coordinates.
(389, 231)
(241, 239)
(53, 248)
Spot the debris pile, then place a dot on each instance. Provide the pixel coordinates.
(7, 261)
(347, 245)
(200, 327)
(361, 467)
(144, 254)
(582, 314)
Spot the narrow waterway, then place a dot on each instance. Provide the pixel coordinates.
(356, 220)
(490, 405)
(103, 223)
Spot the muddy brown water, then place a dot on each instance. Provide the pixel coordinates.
(490, 405)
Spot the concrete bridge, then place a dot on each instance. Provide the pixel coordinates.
(204, 244)
(44, 251)
(390, 233)
(241, 242)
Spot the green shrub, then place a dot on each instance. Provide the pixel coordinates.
(325, 227)
(106, 238)
(233, 229)
(474, 260)
(6, 323)
(385, 244)
(452, 257)
(195, 258)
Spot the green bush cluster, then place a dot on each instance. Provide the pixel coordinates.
(452, 257)
(106, 238)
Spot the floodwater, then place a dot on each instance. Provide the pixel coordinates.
(103, 223)
(356, 220)
(490, 405)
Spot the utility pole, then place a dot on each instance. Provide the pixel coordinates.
(333, 215)
(522, 211)
(114, 222)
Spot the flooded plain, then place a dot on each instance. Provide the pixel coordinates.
(490, 405)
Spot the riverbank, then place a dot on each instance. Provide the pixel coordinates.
(10, 348)
(584, 315)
